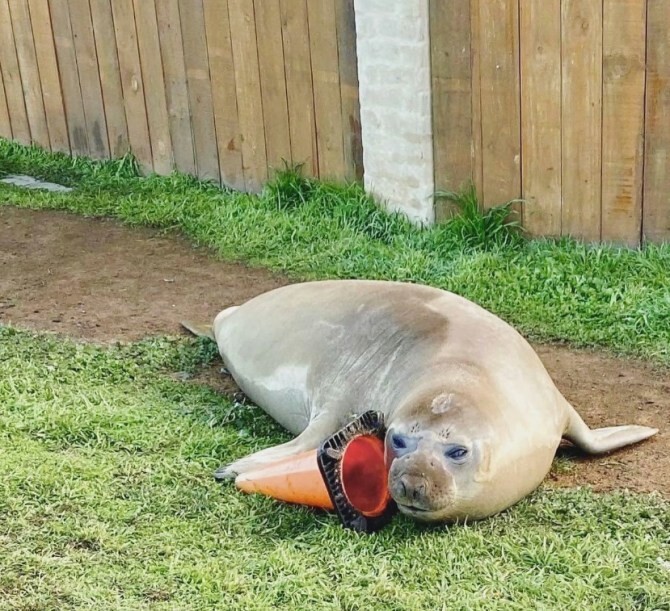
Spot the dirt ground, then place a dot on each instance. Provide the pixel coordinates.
(99, 281)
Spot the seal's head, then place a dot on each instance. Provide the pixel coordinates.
(452, 456)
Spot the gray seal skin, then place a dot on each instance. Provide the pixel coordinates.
(473, 418)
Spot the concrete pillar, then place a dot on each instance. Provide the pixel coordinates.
(393, 47)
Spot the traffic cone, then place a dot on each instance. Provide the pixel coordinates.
(296, 479)
(347, 473)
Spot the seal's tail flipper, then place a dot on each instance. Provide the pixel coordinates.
(207, 330)
(599, 441)
(200, 330)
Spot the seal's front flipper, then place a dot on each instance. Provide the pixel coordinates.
(260, 459)
(263, 458)
(317, 430)
(199, 330)
(599, 441)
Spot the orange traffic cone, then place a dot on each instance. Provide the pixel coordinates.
(295, 480)
(347, 473)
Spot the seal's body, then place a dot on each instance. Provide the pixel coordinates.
(473, 418)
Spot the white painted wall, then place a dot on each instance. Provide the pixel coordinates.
(393, 49)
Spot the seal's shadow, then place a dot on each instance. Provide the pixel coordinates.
(573, 455)
(280, 522)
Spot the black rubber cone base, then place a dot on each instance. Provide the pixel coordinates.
(349, 497)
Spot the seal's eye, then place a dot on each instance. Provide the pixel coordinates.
(457, 453)
(398, 442)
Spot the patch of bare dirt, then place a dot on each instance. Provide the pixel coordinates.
(100, 281)
(606, 391)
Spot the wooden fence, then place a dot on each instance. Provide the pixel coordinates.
(565, 103)
(222, 89)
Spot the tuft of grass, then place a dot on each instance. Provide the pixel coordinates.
(107, 501)
(474, 227)
(591, 296)
(290, 188)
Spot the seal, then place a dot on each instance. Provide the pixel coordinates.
(473, 418)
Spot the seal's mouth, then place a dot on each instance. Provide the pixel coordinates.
(412, 509)
(420, 515)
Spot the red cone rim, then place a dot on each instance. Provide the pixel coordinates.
(364, 476)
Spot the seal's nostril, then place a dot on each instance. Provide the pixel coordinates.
(419, 492)
(403, 488)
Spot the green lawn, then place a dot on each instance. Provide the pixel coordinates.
(107, 499)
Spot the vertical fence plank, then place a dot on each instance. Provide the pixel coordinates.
(154, 85)
(30, 75)
(540, 48)
(326, 82)
(5, 124)
(500, 100)
(247, 83)
(69, 76)
(351, 111)
(199, 88)
(110, 79)
(624, 29)
(451, 72)
(298, 68)
(11, 76)
(273, 82)
(131, 82)
(89, 78)
(174, 72)
(47, 63)
(475, 61)
(222, 71)
(582, 121)
(656, 212)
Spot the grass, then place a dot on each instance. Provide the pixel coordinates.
(474, 228)
(107, 502)
(599, 296)
(106, 495)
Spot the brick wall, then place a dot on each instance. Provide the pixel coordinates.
(394, 87)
